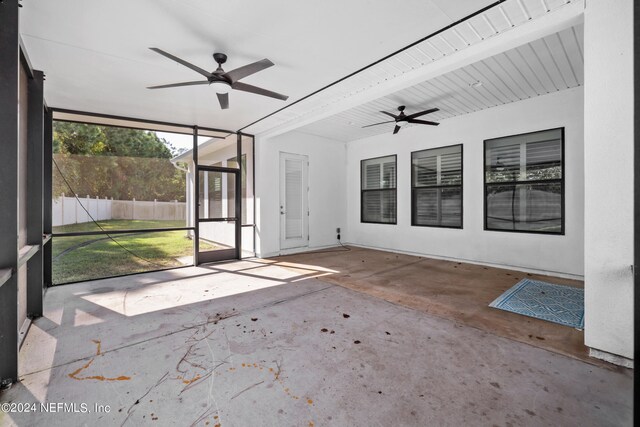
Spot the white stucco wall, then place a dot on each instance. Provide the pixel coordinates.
(327, 204)
(547, 253)
(608, 34)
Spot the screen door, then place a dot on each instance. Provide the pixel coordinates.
(218, 214)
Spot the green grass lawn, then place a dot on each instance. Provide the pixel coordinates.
(78, 258)
(119, 224)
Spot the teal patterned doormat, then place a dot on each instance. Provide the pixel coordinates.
(546, 301)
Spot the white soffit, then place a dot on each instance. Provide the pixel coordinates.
(96, 59)
(550, 64)
(487, 31)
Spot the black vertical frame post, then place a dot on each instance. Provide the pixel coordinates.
(636, 206)
(47, 197)
(196, 198)
(238, 200)
(9, 65)
(253, 193)
(35, 138)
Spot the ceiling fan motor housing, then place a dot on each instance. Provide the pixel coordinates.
(220, 58)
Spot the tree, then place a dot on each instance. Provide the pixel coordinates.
(81, 138)
(122, 163)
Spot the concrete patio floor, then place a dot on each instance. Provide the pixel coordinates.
(254, 343)
(454, 290)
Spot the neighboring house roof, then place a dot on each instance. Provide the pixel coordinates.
(209, 146)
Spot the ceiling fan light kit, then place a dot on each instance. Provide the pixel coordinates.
(402, 118)
(221, 87)
(222, 82)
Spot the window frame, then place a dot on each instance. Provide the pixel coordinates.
(561, 181)
(413, 188)
(395, 190)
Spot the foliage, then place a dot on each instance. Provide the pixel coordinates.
(81, 138)
(112, 162)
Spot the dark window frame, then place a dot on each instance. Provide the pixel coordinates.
(394, 189)
(413, 188)
(560, 181)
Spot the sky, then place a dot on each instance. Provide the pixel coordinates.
(180, 141)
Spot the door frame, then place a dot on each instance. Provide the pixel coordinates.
(281, 200)
(203, 257)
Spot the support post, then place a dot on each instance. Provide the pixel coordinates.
(47, 197)
(9, 52)
(196, 198)
(238, 196)
(35, 203)
(636, 203)
(608, 216)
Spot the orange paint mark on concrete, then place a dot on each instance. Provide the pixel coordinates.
(75, 373)
(217, 425)
(192, 380)
(276, 378)
(311, 424)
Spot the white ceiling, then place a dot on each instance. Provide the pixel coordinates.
(546, 65)
(96, 59)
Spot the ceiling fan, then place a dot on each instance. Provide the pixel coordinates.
(411, 118)
(223, 81)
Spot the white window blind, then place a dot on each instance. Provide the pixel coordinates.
(437, 187)
(378, 182)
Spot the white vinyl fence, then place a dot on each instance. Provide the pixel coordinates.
(67, 210)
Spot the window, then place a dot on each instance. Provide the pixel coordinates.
(231, 186)
(210, 190)
(436, 187)
(378, 184)
(524, 182)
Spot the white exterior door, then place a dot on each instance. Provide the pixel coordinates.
(294, 204)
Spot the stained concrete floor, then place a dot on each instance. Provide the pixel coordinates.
(458, 291)
(254, 343)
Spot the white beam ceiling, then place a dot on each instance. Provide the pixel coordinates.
(546, 65)
(512, 24)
